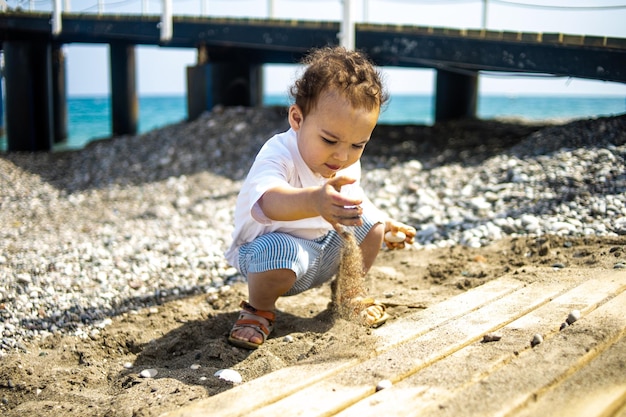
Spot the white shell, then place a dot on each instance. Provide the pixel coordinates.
(395, 237)
(229, 375)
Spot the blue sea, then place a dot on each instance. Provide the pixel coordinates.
(89, 118)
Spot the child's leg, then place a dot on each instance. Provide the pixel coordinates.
(371, 245)
(264, 288)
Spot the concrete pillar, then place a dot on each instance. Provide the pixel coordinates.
(124, 102)
(225, 83)
(28, 96)
(59, 94)
(456, 95)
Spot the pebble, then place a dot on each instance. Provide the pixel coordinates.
(383, 384)
(573, 316)
(288, 339)
(491, 337)
(129, 223)
(229, 375)
(536, 340)
(148, 373)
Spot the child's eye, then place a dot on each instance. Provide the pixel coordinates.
(330, 142)
(358, 146)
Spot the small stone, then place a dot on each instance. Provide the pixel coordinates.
(395, 237)
(288, 339)
(558, 265)
(537, 339)
(128, 365)
(619, 265)
(148, 373)
(563, 326)
(383, 384)
(573, 316)
(491, 337)
(229, 375)
(194, 366)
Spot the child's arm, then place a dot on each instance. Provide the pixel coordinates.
(286, 203)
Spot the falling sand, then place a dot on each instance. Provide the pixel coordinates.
(349, 281)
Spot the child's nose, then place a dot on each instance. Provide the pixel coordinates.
(341, 155)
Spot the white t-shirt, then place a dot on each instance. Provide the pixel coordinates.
(279, 163)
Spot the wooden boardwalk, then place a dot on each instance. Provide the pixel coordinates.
(439, 363)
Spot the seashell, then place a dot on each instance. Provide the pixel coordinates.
(395, 237)
(573, 316)
(229, 375)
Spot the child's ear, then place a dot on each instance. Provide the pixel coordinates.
(295, 117)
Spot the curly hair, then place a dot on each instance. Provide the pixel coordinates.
(335, 68)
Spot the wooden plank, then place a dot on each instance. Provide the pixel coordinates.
(435, 384)
(393, 333)
(426, 320)
(587, 394)
(355, 383)
(513, 387)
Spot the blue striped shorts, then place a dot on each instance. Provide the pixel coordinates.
(313, 261)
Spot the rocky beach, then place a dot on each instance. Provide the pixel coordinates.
(115, 297)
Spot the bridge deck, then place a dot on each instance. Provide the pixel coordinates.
(440, 365)
(285, 41)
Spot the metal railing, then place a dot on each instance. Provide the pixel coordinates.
(348, 9)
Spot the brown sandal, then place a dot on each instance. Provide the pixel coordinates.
(246, 320)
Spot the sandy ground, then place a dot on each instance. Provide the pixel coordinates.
(66, 376)
(185, 339)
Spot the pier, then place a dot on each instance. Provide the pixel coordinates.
(231, 53)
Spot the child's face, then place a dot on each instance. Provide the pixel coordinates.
(333, 135)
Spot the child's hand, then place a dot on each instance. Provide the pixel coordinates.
(336, 208)
(397, 234)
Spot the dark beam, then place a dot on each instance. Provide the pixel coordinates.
(493, 53)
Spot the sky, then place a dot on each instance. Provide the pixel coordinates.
(162, 70)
